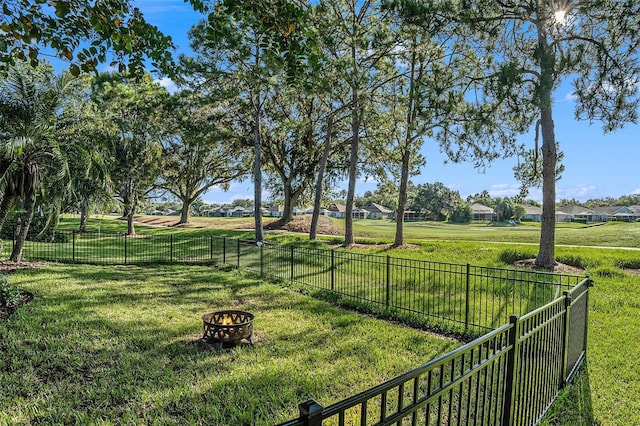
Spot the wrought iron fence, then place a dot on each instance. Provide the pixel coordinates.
(536, 322)
(459, 297)
(509, 376)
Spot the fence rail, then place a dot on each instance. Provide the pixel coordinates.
(535, 322)
(509, 376)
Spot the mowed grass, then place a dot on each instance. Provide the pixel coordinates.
(608, 391)
(120, 345)
(611, 234)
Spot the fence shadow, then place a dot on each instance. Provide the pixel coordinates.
(574, 405)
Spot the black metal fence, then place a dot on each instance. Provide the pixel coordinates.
(537, 322)
(458, 297)
(509, 376)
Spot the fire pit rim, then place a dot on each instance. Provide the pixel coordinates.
(230, 333)
(209, 316)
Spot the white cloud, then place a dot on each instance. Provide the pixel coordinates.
(571, 96)
(579, 192)
(504, 190)
(168, 84)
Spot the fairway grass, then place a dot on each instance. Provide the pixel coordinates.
(121, 345)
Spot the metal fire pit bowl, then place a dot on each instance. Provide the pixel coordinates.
(228, 327)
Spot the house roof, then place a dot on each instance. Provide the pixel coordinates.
(373, 207)
(531, 209)
(337, 208)
(481, 208)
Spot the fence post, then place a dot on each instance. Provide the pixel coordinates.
(333, 269)
(291, 261)
(510, 374)
(238, 252)
(565, 341)
(466, 303)
(224, 249)
(261, 260)
(211, 247)
(73, 245)
(125, 249)
(311, 413)
(388, 286)
(171, 248)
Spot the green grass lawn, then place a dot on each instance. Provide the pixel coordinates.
(120, 345)
(607, 392)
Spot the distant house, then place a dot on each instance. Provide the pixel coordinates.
(238, 212)
(275, 211)
(622, 213)
(582, 213)
(323, 212)
(482, 212)
(532, 213)
(337, 210)
(360, 213)
(376, 211)
(562, 217)
(411, 215)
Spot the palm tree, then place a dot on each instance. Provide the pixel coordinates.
(29, 152)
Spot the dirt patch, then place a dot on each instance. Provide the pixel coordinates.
(302, 224)
(9, 266)
(559, 267)
(632, 271)
(380, 246)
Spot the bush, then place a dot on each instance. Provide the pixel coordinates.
(38, 223)
(510, 256)
(572, 260)
(606, 272)
(628, 263)
(8, 292)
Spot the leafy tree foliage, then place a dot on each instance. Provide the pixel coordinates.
(435, 201)
(196, 154)
(30, 157)
(529, 47)
(83, 33)
(133, 108)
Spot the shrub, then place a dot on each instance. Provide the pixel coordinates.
(606, 272)
(628, 263)
(8, 293)
(510, 256)
(572, 260)
(38, 223)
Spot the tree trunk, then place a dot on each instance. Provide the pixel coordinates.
(402, 198)
(257, 175)
(313, 231)
(16, 254)
(130, 229)
(287, 212)
(546, 252)
(83, 216)
(184, 215)
(5, 207)
(353, 171)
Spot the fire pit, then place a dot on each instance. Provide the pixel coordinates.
(228, 327)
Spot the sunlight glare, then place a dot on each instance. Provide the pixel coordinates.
(560, 16)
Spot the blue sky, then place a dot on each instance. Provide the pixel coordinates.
(597, 165)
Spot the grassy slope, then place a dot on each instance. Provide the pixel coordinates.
(608, 391)
(118, 344)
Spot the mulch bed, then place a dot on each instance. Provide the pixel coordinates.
(559, 267)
